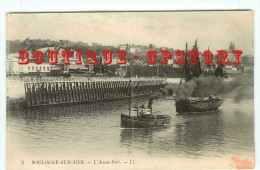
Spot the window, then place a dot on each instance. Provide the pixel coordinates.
(43, 68)
(48, 68)
(40, 68)
(32, 68)
(36, 68)
(28, 68)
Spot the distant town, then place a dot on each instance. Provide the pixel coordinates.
(138, 67)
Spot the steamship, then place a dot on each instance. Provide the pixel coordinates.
(143, 117)
(197, 104)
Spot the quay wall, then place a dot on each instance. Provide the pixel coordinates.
(32, 92)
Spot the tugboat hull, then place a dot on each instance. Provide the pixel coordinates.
(197, 106)
(144, 121)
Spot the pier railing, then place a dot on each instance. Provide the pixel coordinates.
(89, 79)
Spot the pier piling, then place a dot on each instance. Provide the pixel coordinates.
(49, 92)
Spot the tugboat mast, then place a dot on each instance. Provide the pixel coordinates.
(131, 86)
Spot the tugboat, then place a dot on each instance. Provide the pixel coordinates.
(142, 117)
(196, 104)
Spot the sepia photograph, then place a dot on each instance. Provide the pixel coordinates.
(130, 90)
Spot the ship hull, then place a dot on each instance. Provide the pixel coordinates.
(197, 106)
(144, 122)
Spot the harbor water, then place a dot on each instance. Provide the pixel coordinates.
(95, 128)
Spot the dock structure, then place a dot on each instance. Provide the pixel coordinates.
(50, 91)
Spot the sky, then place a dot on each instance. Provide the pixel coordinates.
(213, 29)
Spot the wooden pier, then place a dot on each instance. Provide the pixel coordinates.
(52, 91)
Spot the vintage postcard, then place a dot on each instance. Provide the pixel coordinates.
(130, 90)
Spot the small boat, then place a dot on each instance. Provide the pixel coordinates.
(141, 117)
(198, 104)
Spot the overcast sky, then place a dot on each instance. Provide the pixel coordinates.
(215, 29)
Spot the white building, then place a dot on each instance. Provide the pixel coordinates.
(120, 72)
(128, 48)
(114, 60)
(132, 49)
(14, 68)
(123, 47)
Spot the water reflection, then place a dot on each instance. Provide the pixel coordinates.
(196, 132)
(52, 113)
(133, 134)
(141, 139)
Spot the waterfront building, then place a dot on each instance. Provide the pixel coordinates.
(13, 68)
(120, 72)
(123, 47)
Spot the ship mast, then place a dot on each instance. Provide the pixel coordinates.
(131, 86)
(197, 69)
(186, 67)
